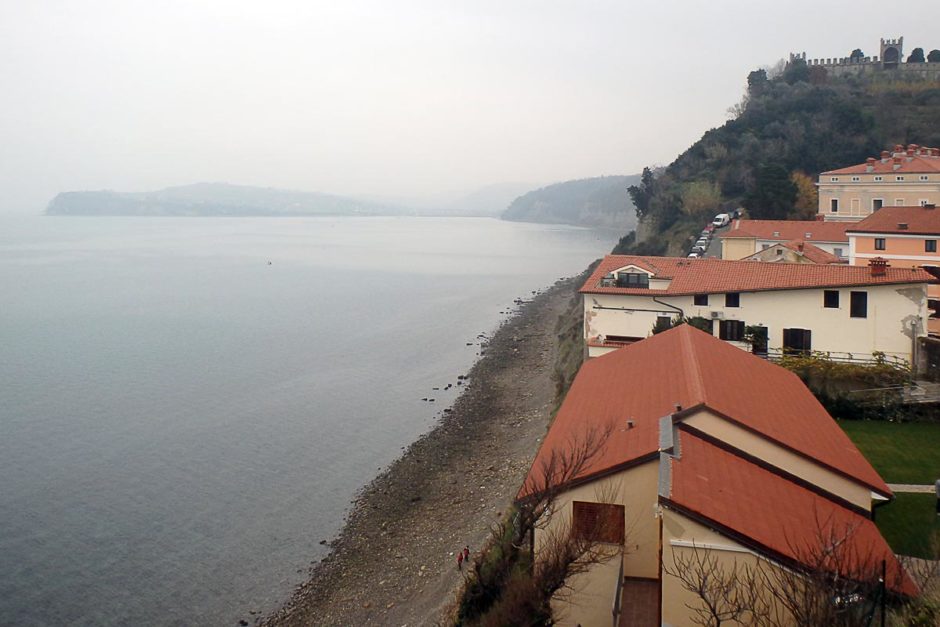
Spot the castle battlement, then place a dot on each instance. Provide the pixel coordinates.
(890, 57)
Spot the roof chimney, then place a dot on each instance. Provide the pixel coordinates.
(799, 245)
(897, 163)
(884, 156)
(870, 164)
(878, 266)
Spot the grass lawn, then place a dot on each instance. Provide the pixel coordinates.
(908, 522)
(906, 452)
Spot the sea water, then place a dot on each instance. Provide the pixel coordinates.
(188, 406)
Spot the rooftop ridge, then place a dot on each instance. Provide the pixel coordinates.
(694, 368)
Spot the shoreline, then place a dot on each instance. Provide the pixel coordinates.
(393, 561)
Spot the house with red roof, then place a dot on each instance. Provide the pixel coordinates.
(795, 252)
(905, 236)
(709, 449)
(901, 177)
(745, 238)
(847, 311)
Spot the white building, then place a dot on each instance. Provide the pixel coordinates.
(848, 311)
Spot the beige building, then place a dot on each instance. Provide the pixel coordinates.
(906, 237)
(710, 449)
(847, 311)
(746, 238)
(795, 252)
(899, 178)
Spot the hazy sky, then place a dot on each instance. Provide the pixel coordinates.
(387, 98)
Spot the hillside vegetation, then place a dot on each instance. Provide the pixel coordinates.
(597, 202)
(787, 130)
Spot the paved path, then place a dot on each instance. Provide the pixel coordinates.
(907, 487)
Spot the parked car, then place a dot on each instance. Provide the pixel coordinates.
(722, 219)
(698, 249)
(693, 255)
(702, 242)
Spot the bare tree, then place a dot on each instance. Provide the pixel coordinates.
(508, 583)
(724, 594)
(834, 580)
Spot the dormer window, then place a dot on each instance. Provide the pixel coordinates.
(776, 233)
(636, 280)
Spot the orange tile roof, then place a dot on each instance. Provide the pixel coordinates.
(709, 276)
(919, 221)
(916, 164)
(774, 512)
(810, 251)
(784, 230)
(687, 367)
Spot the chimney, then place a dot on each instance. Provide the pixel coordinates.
(799, 246)
(884, 156)
(897, 163)
(878, 266)
(870, 164)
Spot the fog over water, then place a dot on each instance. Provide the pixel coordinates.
(411, 100)
(190, 404)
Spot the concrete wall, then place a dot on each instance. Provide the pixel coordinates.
(592, 593)
(738, 247)
(782, 458)
(891, 309)
(678, 531)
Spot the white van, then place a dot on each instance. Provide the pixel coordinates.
(722, 219)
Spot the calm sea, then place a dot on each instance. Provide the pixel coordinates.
(187, 406)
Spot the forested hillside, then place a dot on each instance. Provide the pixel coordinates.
(598, 202)
(787, 130)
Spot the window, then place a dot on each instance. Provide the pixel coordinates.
(879, 243)
(878, 179)
(731, 330)
(732, 299)
(633, 279)
(877, 203)
(834, 205)
(859, 308)
(930, 245)
(764, 246)
(797, 340)
(923, 177)
(834, 179)
(856, 179)
(899, 178)
(600, 522)
(701, 300)
(898, 202)
(663, 323)
(923, 202)
(831, 299)
(837, 252)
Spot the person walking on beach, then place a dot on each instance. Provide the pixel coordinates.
(459, 560)
(466, 549)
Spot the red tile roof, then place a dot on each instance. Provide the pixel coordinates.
(774, 512)
(917, 164)
(810, 251)
(919, 221)
(784, 230)
(684, 366)
(709, 276)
